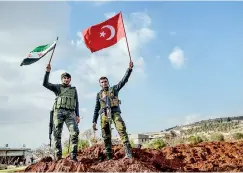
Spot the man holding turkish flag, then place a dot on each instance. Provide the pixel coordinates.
(104, 34)
(107, 104)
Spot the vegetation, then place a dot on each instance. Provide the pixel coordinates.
(219, 129)
(14, 169)
(154, 144)
(217, 137)
(158, 143)
(216, 120)
(81, 145)
(176, 141)
(43, 151)
(197, 133)
(237, 136)
(132, 143)
(195, 139)
(218, 126)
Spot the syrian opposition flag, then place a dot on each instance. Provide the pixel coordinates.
(38, 53)
(104, 34)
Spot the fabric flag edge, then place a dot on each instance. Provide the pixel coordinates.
(86, 33)
(30, 60)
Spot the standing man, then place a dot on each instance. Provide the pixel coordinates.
(112, 94)
(66, 109)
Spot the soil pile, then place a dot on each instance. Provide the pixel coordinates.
(206, 156)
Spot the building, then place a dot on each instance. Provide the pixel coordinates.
(14, 156)
(139, 139)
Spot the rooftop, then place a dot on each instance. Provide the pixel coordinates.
(13, 149)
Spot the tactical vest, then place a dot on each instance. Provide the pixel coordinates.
(114, 101)
(66, 99)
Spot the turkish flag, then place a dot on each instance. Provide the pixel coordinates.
(104, 34)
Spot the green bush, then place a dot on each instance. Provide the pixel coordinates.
(147, 145)
(217, 137)
(154, 144)
(132, 143)
(237, 136)
(83, 144)
(195, 139)
(158, 143)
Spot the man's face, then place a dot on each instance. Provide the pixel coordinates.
(104, 83)
(66, 80)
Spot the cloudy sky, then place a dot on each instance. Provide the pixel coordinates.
(187, 58)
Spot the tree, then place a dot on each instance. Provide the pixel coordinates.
(228, 119)
(43, 151)
(173, 133)
(89, 135)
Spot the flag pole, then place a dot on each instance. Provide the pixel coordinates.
(52, 53)
(126, 38)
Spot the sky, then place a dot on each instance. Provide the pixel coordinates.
(187, 56)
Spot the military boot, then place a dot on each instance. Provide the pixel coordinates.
(108, 156)
(108, 153)
(128, 150)
(73, 154)
(73, 157)
(57, 157)
(108, 149)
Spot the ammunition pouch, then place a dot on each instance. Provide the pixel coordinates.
(65, 103)
(113, 98)
(66, 99)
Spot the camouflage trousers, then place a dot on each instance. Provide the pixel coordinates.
(106, 133)
(59, 117)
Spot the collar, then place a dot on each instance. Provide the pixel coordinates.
(65, 86)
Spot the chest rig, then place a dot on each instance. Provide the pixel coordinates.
(111, 96)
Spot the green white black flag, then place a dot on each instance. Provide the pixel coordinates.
(38, 52)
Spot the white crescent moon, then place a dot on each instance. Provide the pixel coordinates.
(112, 29)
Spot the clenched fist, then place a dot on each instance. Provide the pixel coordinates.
(130, 64)
(48, 67)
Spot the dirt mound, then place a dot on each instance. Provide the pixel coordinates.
(210, 156)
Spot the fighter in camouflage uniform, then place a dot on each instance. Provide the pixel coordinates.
(66, 109)
(112, 93)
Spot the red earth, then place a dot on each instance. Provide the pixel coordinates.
(206, 156)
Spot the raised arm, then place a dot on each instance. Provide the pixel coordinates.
(96, 110)
(125, 78)
(47, 84)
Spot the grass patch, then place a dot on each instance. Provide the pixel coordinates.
(217, 137)
(237, 136)
(14, 169)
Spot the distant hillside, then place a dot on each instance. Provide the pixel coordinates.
(209, 121)
(225, 128)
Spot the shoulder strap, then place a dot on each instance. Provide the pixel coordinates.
(100, 94)
(65, 90)
(111, 89)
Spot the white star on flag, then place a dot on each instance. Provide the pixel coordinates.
(102, 34)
